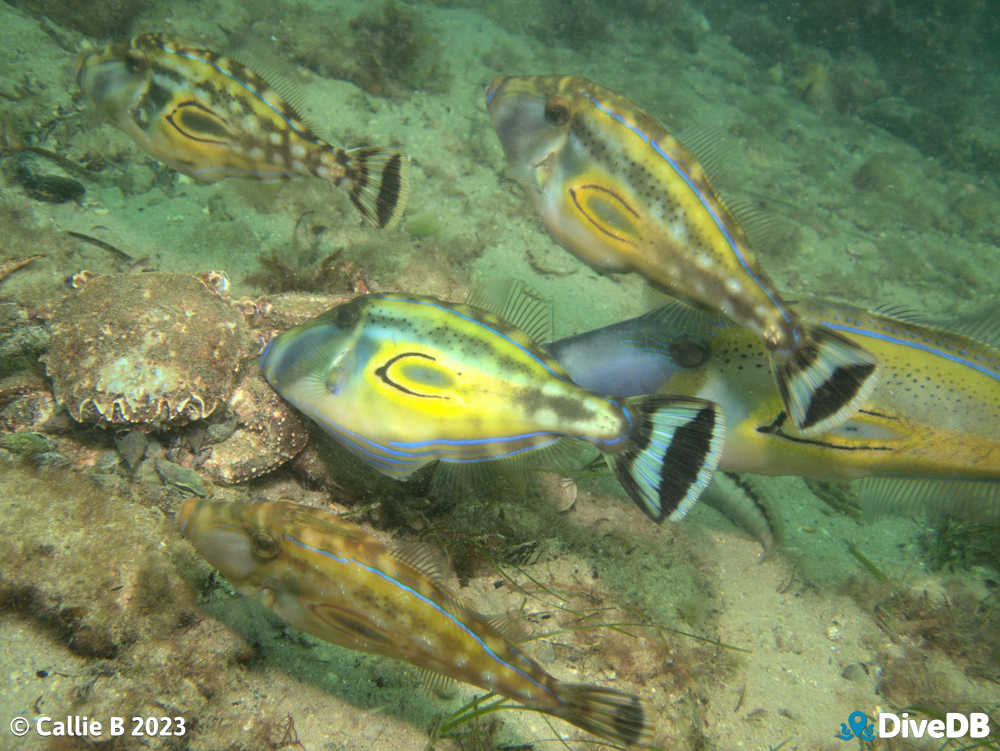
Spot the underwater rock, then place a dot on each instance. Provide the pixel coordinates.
(132, 446)
(182, 477)
(108, 580)
(52, 188)
(879, 174)
(154, 348)
(26, 442)
(48, 460)
(103, 19)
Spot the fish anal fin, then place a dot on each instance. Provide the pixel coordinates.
(439, 684)
(740, 502)
(976, 501)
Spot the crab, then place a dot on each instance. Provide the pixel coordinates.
(160, 351)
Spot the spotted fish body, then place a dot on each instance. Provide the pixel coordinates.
(615, 188)
(211, 117)
(934, 414)
(333, 580)
(403, 381)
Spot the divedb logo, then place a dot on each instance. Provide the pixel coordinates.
(890, 725)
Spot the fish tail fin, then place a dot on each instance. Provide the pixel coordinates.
(824, 380)
(379, 183)
(670, 455)
(607, 713)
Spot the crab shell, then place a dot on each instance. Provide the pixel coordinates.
(158, 348)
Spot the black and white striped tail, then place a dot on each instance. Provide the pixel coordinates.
(825, 380)
(379, 184)
(675, 446)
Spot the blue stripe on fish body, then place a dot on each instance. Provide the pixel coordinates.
(924, 347)
(436, 606)
(333, 580)
(697, 191)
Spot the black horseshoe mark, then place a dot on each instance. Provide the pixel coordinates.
(383, 373)
(173, 120)
(599, 227)
(774, 428)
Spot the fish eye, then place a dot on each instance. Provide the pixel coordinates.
(556, 111)
(135, 63)
(688, 353)
(346, 316)
(264, 546)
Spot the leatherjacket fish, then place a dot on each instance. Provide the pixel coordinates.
(211, 118)
(404, 380)
(614, 187)
(333, 580)
(934, 414)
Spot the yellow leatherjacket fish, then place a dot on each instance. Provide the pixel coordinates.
(331, 579)
(934, 414)
(404, 380)
(211, 118)
(615, 188)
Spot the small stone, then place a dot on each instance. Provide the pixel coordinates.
(182, 477)
(132, 446)
(106, 463)
(855, 672)
(219, 431)
(48, 459)
(26, 442)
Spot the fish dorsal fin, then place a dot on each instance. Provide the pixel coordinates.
(969, 500)
(288, 91)
(767, 233)
(712, 149)
(517, 304)
(905, 314)
(677, 316)
(982, 325)
(425, 558)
